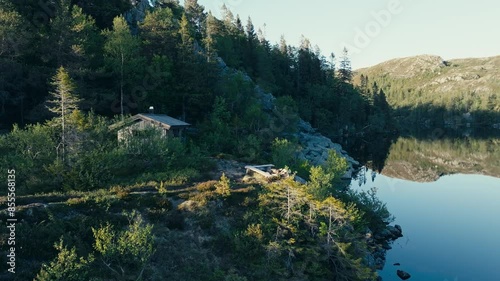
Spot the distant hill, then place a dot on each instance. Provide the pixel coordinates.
(431, 85)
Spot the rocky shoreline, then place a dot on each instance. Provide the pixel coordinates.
(314, 148)
(380, 243)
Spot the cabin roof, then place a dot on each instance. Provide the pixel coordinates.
(161, 120)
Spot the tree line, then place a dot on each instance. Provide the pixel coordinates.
(168, 57)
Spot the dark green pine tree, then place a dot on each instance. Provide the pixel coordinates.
(345, 70)
(58, 45)
(73, 39)
(159, 33)
(194, 77)
(196, 15)
(104, 11)
(250, 54)
(16, 44)
(239, 24)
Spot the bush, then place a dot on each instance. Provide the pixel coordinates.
(326, 180)
(67, 266)
(76, 201)
(223, 186)
(206, 186)
(118, 189)
(375, 211)
(29, 151)
(283, 152)
(126, 252)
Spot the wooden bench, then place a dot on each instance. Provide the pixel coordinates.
(260, 169)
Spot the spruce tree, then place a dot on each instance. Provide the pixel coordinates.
(159, 33)
(239, 24)
(196, 15)
(250, 54)
(345, 69)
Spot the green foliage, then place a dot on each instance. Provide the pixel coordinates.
(105, 12)
(323, 180)
(162, 189)
(29, 151)
(67, 266)
(125, 253)
(223, 186)
(336, 165)
(283, 152)
(371, 202)
(280, 231)
(121, 46)
(12, 31)
(306, 236)
(121, 51)
(345, 70)
(250, 149)
(438, 94)
(94, 158)
(320, 182)
(287, 114)
(218, 133)
(159, 33)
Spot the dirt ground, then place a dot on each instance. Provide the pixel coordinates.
(234, 170)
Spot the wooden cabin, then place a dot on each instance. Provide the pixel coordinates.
(168, 126)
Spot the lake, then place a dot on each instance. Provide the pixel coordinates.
(451, 223)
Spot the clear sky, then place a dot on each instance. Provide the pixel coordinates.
(378, 30)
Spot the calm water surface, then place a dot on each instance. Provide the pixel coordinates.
(451, 227)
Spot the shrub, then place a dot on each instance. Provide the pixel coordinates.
(76, 201)
(223, 186)
(283, 152)
(67, 266)
(162, 189)
(125, 253)
(206, 186)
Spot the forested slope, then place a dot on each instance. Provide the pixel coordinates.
(92, 208)
(166, 57)
(430, 91)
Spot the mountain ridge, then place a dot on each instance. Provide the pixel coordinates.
(430, 86)
(423, 56)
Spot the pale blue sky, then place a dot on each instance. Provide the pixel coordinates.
(450, 29)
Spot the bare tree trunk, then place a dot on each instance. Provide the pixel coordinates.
(121, 87)
(289, 204)
(329, 238)
(63, 137)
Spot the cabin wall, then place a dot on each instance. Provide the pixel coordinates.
(141, 125)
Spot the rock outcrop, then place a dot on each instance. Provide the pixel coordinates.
(403, 275)
(315, 148)
(380, 242)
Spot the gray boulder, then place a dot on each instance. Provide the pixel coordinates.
(395, 231)
(403, 275)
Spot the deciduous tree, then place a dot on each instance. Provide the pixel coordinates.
(121, 52)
